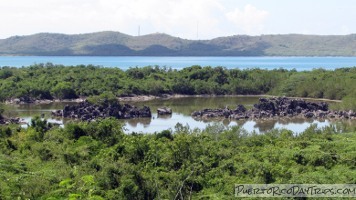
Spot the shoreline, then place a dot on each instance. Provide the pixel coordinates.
(17, 101)
(143, 98)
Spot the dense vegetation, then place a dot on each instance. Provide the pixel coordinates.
(118, 44)
(47, 81)
(98, 161)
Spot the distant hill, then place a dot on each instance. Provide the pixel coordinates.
(119, 44)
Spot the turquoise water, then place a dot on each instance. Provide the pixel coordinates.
(298, 63)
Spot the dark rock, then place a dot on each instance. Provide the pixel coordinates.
(239, 109)
(196, 114)
(164, 111)
(5, 120)
(212, 113)
(309, 115)
(87, 111)
(226, 112)
(277, 107)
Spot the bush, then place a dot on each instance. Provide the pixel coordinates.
(64, 91)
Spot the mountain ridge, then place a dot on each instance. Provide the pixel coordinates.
(110, 43)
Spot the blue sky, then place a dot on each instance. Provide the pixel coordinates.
(191, 19)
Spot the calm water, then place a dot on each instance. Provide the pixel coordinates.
(299, 63)
(182, 108)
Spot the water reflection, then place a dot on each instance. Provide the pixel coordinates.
(145, 122)
(182, 108)
(297, 125)
(164, 116)
(187, 105)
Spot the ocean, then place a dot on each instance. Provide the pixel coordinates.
(126, 62)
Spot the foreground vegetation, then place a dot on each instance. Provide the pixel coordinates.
(98, 161)
(48, 81)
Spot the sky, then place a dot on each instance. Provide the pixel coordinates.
(189, 19)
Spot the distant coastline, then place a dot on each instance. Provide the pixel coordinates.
(118, 44)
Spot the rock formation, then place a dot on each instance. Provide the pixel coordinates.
(87, 111)
(277, 107)
(164, 111)
(4, 120)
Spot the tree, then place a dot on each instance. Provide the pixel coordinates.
(64, 91)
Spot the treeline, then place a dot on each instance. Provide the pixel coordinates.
(98, 161)
(47, 81)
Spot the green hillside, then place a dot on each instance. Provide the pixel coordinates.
(158, 44)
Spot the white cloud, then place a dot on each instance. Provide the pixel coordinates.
(174, 17)
(250, 19)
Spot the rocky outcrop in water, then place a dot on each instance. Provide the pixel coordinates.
(277, 107)
(87, 111)
(4, 120)
(164, 111)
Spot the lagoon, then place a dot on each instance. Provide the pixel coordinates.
(125, 62)
(182, 109)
